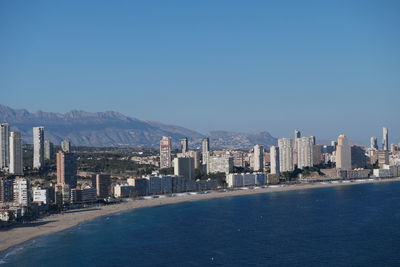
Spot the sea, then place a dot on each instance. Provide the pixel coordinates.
(357, 225)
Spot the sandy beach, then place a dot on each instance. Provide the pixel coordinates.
(55, 223)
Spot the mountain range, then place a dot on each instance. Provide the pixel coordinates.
(113, 129)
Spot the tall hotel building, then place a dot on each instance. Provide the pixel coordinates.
(4, 145)
(304, 148)
(38, 147)
(385, 140)
(286, 147)
(16, 158)
(165, 152)
(274, 155)
(343, 153)
(205, 145)
(258, 158)
(184, 145)
(374, 143)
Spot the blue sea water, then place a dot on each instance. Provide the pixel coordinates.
(355, 225)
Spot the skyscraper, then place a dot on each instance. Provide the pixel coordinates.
(258, 157)
(48, 150)
(385, 140)
(66, 146)
(205, 145)
(286, 147)
(16, 157)
(374, 143)
(184, 145)
(165, 152)
(343, 153)
(274, 155)
(305, 152)
(4, 145)
(66, 169)
(38, 147)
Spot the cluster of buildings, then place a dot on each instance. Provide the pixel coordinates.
(20, 199)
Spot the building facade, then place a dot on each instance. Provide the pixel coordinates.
(258, 158)
(286, 147)
(4, 145)
(66, 169)
(343, 153)
(38, 147)
(165, 152)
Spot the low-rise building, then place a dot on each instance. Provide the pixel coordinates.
(123, 191)
(83, 195)
(245, 179)
(40, 196)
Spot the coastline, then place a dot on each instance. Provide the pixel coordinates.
(55, 223)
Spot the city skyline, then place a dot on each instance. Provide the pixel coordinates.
(328, 69)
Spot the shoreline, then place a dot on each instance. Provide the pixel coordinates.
(15, 236)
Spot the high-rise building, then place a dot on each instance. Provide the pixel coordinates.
(21, 192)
(66, 169)
(297, 136)
(343, 153)
(4, 145)
(374, 143)
(205, 150)
(286, 147)
(305, 152)
(258, 158)
(66, 146)
(16, 157)
(184, 166)
(274, 155)
(385, 140)
(102, 183)
(48, 150)
(184, 145)
(38, 147)
(165, 152)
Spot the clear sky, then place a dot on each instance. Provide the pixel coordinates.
(324, 67)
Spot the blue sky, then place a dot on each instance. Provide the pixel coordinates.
(325, 67)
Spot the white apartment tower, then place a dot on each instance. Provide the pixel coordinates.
(385, 140)
(274, 155)
(184, 145)
(374, 143)
(343, 153)
(165, 152)
(16, 157)
(286, 147)
(38, 147)
(205, 150)
(4, 145)
(258, 157)
(305, 155)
